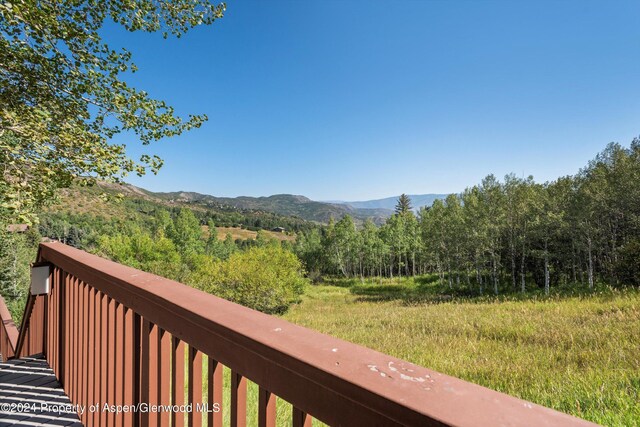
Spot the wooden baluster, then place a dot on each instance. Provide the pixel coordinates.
(76, 343)
(266, 408)
(97, 376)
(195, 386)
(119, 356)
(104, 350)
(84, 362)
(51, 338)
(67, 334)
(238, 400)
(53, 322)
(145, 369)
(154, 369)
(129, 364)
(92, 354)
(214, 392)
(62, 339)
(177, 381)
(41, 326)
(300, 419)
(55, 303)
(165, 376)
(111, 359)
(80, 341)
(68, 375)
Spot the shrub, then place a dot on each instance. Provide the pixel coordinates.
(139, 250)
(267, 278)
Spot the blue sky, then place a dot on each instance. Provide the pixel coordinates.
(356, 100)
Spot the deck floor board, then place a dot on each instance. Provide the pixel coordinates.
(31, 383)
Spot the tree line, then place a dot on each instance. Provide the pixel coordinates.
(509, 235)
(261, 273)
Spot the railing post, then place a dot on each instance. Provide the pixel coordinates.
(24, 326)
(45, 320)
(61, 325)
(8, 333)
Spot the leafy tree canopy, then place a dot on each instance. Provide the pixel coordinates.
(63, 94)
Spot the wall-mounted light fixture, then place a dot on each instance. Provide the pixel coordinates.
(40, 278)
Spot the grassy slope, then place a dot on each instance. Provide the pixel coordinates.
(241, 233)
(579, 355)
(87, 200)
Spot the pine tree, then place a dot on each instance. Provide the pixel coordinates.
(404, 204)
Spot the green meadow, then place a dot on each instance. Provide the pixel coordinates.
(578, 353)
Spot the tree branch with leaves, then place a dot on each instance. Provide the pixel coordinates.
(63, 94)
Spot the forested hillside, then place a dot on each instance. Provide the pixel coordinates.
(497, 236)
(281, 204)
(223, 250)
(126, 202)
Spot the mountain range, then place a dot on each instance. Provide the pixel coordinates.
(300, 206)
(389, 203)
(282, 204)
(288, 205)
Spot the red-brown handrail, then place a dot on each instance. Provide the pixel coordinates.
(118, 335)
(8, 333)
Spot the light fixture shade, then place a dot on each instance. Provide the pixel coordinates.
(40, 279)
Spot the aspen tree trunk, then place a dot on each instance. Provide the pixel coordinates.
(413, 262)
(546, 275)
(522, 273)
(546, 269)
(495, 276)
(406, 264)
(573, 264)
(590, 263)
(513, 267)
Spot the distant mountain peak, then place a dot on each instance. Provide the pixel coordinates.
(417, 201)
(296, 197)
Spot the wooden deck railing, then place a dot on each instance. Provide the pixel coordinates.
(8, 333)
(116, 335)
